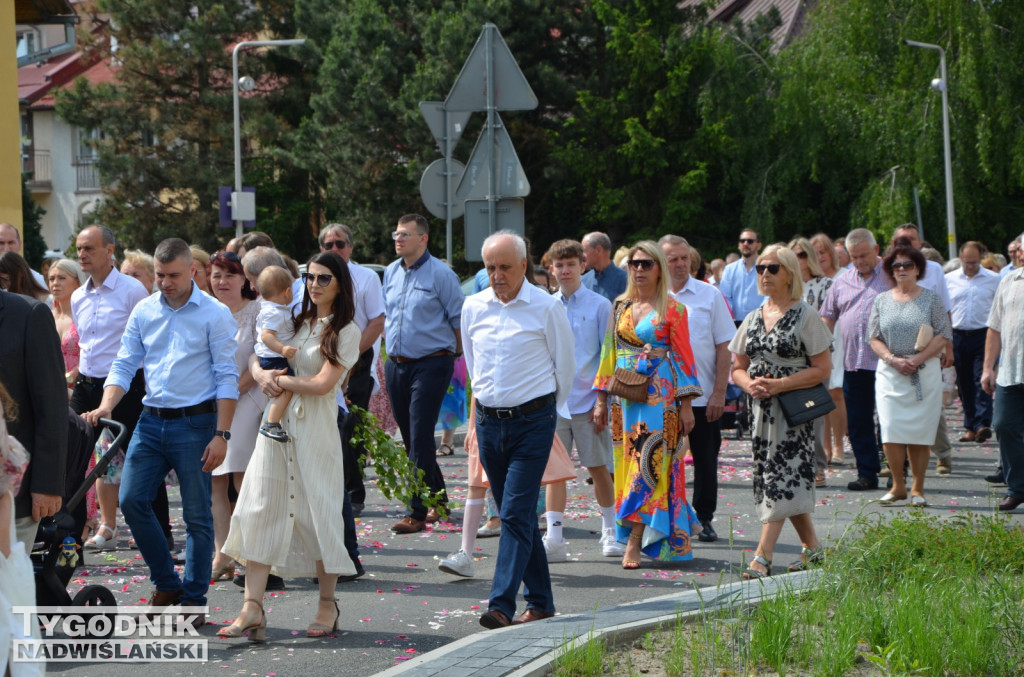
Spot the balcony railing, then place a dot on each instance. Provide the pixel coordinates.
(38, 165)
(87, 175)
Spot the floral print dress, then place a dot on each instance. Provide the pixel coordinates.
(783, 455)
(650, 476)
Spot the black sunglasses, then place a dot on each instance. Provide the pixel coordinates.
(230, 256)
(801, 255)
(896, 265)
(640, 264)
(772, 268)
(335, 244)
(323, 279)
(747, 240)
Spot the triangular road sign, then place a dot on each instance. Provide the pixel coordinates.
(433, 113)
(511, 90)
(511, 179)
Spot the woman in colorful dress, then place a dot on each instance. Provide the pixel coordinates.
(649, 334)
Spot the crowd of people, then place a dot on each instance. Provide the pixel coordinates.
(237, 373)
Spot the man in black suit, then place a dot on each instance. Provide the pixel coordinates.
(32, 370)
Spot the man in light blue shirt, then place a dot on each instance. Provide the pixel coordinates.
(185, 341)
(588, 314)
(602, 276)
(739, 281)
(423, 311)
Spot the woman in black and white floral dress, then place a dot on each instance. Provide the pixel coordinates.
(781, 346)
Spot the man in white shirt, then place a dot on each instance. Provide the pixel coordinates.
(1014, 252)
(588, 314)
(711, 329)
(519, 352)
(972, 289)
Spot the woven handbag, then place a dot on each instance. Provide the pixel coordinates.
(630, 385)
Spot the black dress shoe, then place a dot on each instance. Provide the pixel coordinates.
(708, 534)
(360, 572)
(273, 582)
(1010, 503)
(983, 435)
(494, 619)
(862, 484)
(996, 477)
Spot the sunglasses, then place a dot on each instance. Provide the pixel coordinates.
(747, 240)
(230, 256)
(640, 264)
(772, 268)
(801, 255)
(399, 235)
(897, 265)
(335, 244)
(323, 279)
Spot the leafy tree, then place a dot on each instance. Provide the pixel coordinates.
(33, 244)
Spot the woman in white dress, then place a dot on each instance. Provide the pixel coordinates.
(908, 381)
(288, 517)
(230, 287)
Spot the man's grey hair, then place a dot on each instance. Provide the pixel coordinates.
(172, 249)
(673, 240)
(598, 239)
(333, 228)
(17, 235)
(259, 258)
(106, 235)
(517, 238)
(859, 235)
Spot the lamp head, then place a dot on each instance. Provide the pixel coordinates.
(938, 84)
(246, 83)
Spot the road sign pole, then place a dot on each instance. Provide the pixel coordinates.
(492, 180)
(448, 188)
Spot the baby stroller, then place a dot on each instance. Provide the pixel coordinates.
(55, 553)
(735, 414)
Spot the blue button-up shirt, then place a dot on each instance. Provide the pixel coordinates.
(739, 286)
(588, 314)
(188, 354)
(609, 283)
(422, 306)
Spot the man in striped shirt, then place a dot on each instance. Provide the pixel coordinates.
(851, 296)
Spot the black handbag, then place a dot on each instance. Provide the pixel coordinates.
(805, 404)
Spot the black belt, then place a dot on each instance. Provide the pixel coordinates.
(970, 332)
(207, 407)
(521, 410)
(439, 353)
(92, 380)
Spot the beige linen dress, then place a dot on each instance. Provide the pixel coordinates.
(288, 513)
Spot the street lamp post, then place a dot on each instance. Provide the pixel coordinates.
(941, 84)
(237, 123)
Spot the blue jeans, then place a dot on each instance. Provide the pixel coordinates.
(416, 390)
(158, 446)
(351, 544)
(1009, 426)
(859, 393)
(968, 359)
(514, 453)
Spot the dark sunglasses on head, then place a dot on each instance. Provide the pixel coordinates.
(323, 279)
(336, 244)
(230, 256)
(772, 268)
(801, 255)
(896, 265)
(747, 240)
(640, 264)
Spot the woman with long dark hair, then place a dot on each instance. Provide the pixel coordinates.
(288, 517)
(16, 277)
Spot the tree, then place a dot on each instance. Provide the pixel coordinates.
(33, 244)
(166, 119)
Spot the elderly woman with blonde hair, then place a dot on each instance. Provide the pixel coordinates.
(781, 346)
(139, 264)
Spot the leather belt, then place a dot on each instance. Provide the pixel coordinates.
(92, 380)
(207, 407)
(506, 413)
(402, 360)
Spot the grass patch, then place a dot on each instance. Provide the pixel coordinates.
(910, 596)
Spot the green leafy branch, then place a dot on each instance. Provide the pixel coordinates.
(397, 477)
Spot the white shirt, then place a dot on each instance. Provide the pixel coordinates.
(935, 280)
(588, 314)
(1007, 318)
(100, 315)
(369, 305)
(519, 351)
(710, 325)
(972, 297)
(278, 319)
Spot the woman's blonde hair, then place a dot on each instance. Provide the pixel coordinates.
(661, 293)
(199, 255)
(812, 256)
(139, 259)
(71, 268)
(826, 241)
(790, 262)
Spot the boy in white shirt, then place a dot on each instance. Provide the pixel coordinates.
(275, 325)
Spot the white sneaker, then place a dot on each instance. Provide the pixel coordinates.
(610, 547)
(557, 552)
(459, 563)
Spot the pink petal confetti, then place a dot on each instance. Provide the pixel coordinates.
(410, 650)
(125, 588)
(412, 564)
(364, 620)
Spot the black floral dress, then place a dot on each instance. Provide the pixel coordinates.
(783, 455)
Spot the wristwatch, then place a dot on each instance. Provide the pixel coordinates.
(226, 434)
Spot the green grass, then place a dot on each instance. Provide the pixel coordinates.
(582, 661)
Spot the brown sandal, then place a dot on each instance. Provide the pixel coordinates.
(631, 564)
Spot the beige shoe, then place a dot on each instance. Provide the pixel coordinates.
(944, 466)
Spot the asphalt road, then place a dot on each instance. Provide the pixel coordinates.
(405, 606)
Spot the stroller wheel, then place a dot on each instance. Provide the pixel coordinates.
(97, 596)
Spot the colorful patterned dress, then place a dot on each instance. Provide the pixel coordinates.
(453, 406)
(650, 477)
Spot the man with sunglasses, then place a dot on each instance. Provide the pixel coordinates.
(602, 275)
(369, 317)
(739, 280)
(423, 308)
